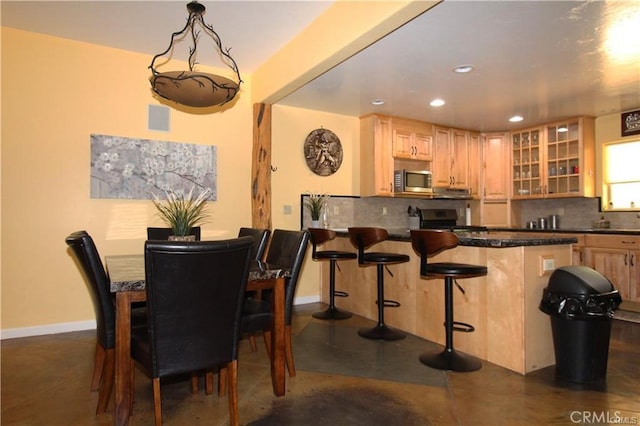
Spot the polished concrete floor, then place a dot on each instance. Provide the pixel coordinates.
(342, 379)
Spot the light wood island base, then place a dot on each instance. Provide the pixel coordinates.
(510, 331)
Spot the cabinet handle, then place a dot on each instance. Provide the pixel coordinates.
(628, 242)
(631, 260)
(625, 259)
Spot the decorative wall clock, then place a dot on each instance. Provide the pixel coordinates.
(323, 152)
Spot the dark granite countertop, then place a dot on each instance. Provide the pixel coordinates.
(618, 231)
(493, 239)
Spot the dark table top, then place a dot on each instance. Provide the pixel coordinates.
(126, 272)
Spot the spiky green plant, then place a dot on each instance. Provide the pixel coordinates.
(314, 203)
(181, 212)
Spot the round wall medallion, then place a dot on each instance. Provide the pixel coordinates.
(323, 152)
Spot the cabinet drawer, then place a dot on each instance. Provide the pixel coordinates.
(613, 241)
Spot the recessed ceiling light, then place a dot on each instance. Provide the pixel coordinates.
(436, 103)
(516, 119)
(463, 69)
(377, 102)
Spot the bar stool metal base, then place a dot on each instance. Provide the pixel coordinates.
(332, 313)
(381, 332)
(451, 360)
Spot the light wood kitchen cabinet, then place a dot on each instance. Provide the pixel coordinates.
(495, 167)
(616, 257)
(495, 205)
(554, 160)
(578, 248)
(412, 139)
(376, 159)
(451, 158)
(527, 160)
(475, 165)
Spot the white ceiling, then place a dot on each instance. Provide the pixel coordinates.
(544, 60)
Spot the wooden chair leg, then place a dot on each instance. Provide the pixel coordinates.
(157, 401)
(194, 383)
(252, 342)
(222, 381)
(132, 385)
(267, 341)
(98, 363)
(208, 382)
(288, 351)
(108, 376)
(232, 367)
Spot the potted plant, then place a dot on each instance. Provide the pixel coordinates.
(182, 212)
(315, 203)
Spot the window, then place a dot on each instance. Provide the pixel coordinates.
(621, 179)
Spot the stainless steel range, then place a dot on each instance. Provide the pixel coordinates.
(446, 219)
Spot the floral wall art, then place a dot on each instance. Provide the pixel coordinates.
(138, 168)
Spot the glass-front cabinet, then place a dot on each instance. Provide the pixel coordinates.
(527, 160)
(554, 160)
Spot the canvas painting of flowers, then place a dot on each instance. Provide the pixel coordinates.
(137, 168)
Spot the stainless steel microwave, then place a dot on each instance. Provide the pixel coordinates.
(412, 181)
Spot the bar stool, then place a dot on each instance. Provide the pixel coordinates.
(319, 236)
(427, 243)
(363, 238)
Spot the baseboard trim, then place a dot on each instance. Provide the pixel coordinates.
(305, 300)
(66, 327)
(40, 330)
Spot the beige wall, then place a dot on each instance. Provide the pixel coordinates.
(55, 93)
(292, 178)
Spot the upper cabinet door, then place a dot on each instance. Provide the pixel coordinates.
(412, 139)
(441, 170)
(475, 164)
(495, 166)
(376, 160)
(460, 159)
(451, 158)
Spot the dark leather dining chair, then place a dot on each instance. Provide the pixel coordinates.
(195, 292)
(287, 249)
(163, 234)
(261, 237)
(86, 254)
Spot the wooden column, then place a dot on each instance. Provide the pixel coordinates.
(261, 167)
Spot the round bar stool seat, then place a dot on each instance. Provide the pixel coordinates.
(363, 238)
(319, 236)
(427, 243)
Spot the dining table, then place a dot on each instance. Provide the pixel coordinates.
(127, 281)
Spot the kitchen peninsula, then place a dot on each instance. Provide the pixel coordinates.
(510, 331)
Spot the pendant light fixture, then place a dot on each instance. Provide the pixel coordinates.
(192, 88)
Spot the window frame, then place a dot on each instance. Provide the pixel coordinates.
(606, 203)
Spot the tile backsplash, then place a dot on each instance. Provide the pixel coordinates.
(576, 213)
(345, 211)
